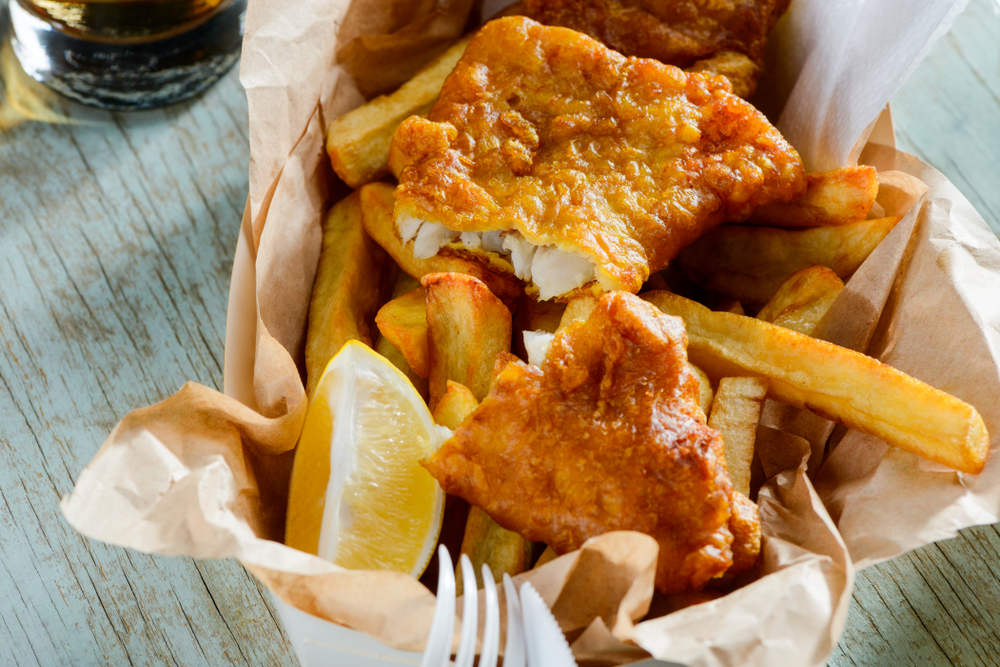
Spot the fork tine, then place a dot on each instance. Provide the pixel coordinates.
(513, 651)
(438, 648)
(470, 615)
(491, 633)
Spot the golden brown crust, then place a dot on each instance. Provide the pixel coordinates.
(744, 524)
(737, 67)
(548, 453)
(677, 32)
(624, 160)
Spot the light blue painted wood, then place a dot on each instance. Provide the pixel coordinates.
(940, 605)
(116, 243)
(948, 114)
(116, 246)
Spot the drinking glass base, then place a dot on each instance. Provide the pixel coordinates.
(128, 76)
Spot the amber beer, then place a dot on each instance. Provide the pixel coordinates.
(128, 20)
(127, 54)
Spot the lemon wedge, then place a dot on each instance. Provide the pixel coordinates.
(359, 496)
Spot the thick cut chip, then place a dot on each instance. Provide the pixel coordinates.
(744, 524)
(358, 141)
(735, 414)
(484, 542)
(396, 358)
(353, 279)
(750, 263)
(837, 197)
(577, 310)
(500, 363)
(834, 382)
(487, 543)
(455, 405)
(467, 327)
(403, 321)
(404, 284)
(705, 393)
(802, 300)
(546, 453)
(577, 166)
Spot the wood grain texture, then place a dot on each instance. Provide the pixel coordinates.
(116, 243)
(940, 605)
(116, 246)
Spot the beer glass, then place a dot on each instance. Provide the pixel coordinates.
(127, 54)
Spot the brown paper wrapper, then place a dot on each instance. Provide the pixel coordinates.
(204, 475)
(396, 39)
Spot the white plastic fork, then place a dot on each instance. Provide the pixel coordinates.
(533, 636)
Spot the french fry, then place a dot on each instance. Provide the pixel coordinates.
(467, 326)
(837, 197)
(397, 160)
(403, 322)
(802, 300)
(358, 142)
(486, 542)
(750, 263)
(705, 395)
(396, 358)
(731, 306)
(898, 191)
(387, 349)
(735, 414)
(547, 556)
(842, 385)
(580, 309)
(455, 405)
(503, 358)
(377, 203)
(353, 279)
(576, 310)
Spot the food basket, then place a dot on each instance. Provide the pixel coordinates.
(200, 474)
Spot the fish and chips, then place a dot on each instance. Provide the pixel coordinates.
(547, 453)
(749, 263)
(576, 167)
(726, 37)
(544, 179)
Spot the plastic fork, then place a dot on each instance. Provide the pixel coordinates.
(533, 635)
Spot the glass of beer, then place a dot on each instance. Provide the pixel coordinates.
(127, 54)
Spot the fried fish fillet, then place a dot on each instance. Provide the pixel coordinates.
(725, 37)
(580, 166)
(606, 435)
(741, 71)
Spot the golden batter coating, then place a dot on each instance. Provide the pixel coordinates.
(741, 71)
(605, 435)
(677, 32)
(623, 161)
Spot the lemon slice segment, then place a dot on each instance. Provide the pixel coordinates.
(359, 496)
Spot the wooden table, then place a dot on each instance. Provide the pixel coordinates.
(116, 247)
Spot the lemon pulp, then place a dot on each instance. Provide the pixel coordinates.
(359, 497)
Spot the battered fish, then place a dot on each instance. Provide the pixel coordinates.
(725, 37)
(579, 166)
(606, 435)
